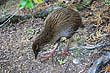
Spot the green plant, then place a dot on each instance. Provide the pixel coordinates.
(38, 1)
(86, 2)
(62, 61)
(31, 31)
(29, 3)
(78, 48)
(76, 54)
(83, 4)
(106, 2)
(26, 3)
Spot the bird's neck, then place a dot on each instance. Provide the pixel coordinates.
(44, 38)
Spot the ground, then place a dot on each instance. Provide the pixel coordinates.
(16, 55)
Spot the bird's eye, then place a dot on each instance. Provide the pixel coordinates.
(64, 2)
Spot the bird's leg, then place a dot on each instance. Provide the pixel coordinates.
(66, 50)
(52, 52)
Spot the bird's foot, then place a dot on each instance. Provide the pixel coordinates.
(52, 53)
(66, 50)
(64, 53)
(46, 57)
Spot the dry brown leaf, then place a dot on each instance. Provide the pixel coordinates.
(106, 49)
(107, 69)
(94, 56)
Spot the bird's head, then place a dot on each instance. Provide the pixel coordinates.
(36, 48)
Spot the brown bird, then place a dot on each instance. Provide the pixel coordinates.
(61, 22)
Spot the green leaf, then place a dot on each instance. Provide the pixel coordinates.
(23, 2)
(61, 61)
(76, 54)
(83, 4)
(86, 2)
(26, 3)
(38, 1)
(80, 7)
(21, 7)
(78, 48)
(29, 4)
(31, 31)
(107, 2)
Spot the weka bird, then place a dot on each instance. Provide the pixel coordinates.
(61, 22)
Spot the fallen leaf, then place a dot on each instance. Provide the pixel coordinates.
(94, 56)
(107, 69)
(86, 15)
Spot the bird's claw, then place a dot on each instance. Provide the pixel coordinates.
(47, 57)
(64, 52)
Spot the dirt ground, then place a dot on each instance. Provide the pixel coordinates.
(16, 55)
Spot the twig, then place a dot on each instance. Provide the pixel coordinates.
(96, 67)
(8, 18)
(2, 61)
(88, 47)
